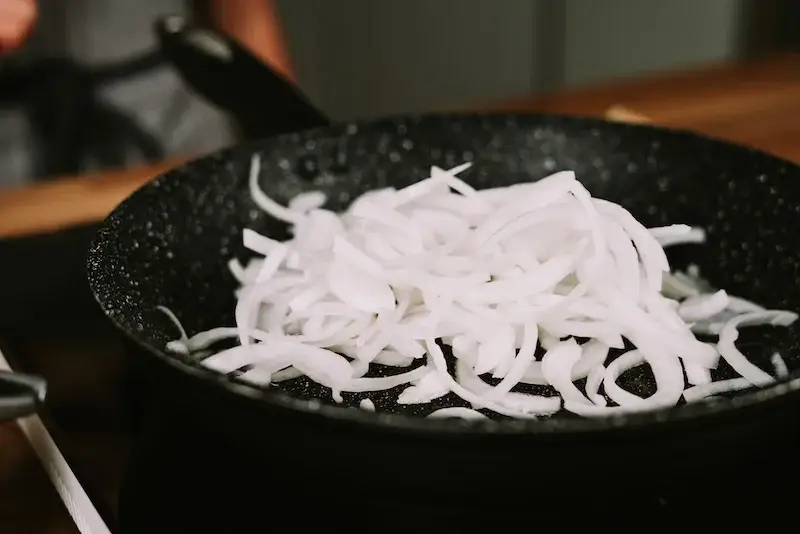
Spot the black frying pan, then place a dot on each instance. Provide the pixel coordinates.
(168, 244)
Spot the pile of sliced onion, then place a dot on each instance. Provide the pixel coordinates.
(495, 274)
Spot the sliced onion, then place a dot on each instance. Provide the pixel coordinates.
(261, 200)
(385, 382)
(625, 362)
(305, 202)
(781, 370)
(358, 289)
(522, 362)
(678, 234)
(703, 307)
(456, 412)
(594, 354)
(557, 366)
(498, 349)
(428, 388)
(593, 381)
(697, 375)
(730, 334)
(495, 274)
(696, 393)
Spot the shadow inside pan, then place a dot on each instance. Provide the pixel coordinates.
(168, 244)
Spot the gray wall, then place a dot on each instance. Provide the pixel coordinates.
(610, 38)
(360, 58)
(367, 57)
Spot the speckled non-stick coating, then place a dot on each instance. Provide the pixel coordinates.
(169, 243)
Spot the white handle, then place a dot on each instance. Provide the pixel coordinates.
(83, 512)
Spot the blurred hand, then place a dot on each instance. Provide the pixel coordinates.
(16, 20)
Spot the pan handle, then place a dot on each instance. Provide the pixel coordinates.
(228, 76)
(20, 394)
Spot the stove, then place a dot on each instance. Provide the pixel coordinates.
(148, 469)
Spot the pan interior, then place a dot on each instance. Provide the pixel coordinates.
(169, 243)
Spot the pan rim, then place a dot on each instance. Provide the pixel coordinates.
(557, 427)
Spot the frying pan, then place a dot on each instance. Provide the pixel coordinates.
(168, 244)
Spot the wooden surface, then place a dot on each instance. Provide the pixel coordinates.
(756, 104)
(71, 201)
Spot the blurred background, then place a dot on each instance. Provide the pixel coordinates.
(86, 91)
(361, 58)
